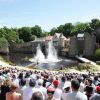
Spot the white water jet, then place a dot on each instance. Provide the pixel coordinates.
(39, 55)
(51, 54)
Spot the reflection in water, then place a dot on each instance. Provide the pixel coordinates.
(18, 58)
(23, 60)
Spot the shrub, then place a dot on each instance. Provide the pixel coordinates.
(97, 54)
(3, 43)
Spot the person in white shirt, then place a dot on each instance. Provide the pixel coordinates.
(27, 93)
(82, 85)
(15, 79)
(61, 85)
(58, 92)
(76, 94)
(22, 87)
(66, 90)
(42, 89)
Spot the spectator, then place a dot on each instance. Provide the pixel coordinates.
(22, 87)
(76, 94)
(27, 93)
(82, 86)
(13, 95)
(89, 91)
(66, 90)
(41, 88)
(58, 92)
(50, 93)
(63, 80)
(4, 89)
(37, 96)
(96, 95)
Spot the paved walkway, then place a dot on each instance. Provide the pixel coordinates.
(86, 60)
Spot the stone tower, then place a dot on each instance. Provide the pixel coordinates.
(89, 44)
(73, 50)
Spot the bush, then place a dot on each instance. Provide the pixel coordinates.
(3, 42)
(83, 66)
(97, 54)
(3, 45)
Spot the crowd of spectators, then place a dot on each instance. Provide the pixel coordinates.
(18, 84)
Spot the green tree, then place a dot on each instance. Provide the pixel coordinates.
(95, 23)
(10, 34)
(33, 37)
(25, 34)
(67, 29)
(80, 28)
(36, 30)
(45, 33)
(60, 29)
(2, 32)
(53, 31)
(3, 43)
(97, 54)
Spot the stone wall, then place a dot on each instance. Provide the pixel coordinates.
(89, 44)
(29, 47)
(73, 50)
(84, 47)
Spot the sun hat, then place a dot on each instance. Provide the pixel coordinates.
(66, 86)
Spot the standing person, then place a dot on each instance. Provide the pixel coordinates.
(58, 92)
(37, 96)
(27, 93)
(22, 87)
(61, 85)
(13, 95)
(50, 93)
(66, 90)
(96, 95)
(76, 94)
(4, 89)
(89, 91)
(90, 83)
(41, 88)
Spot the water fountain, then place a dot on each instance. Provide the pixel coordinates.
(39, 55)
(51, 54)
(50, 61)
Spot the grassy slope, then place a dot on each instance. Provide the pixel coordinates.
(75, 69)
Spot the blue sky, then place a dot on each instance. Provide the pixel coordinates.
(47, 13)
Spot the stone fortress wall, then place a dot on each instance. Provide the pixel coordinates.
(87, 44)
(76, 45)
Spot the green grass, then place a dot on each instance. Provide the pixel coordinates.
(2, 59)
(82, 67)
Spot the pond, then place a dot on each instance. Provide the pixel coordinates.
(23, 60)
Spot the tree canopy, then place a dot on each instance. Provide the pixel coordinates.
(26, 34)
